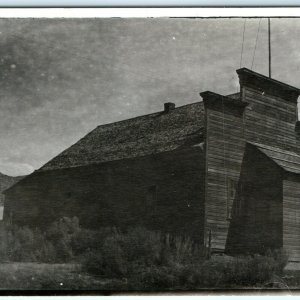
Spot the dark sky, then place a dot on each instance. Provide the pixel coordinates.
(60, 78)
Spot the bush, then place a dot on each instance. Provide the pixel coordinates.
(137, 250)
(112, 258)
(181, 250)
(255, 270)
(24, 244)
(154, 278)
(236, 273)
(93, 263)
(85, 240)
(141, 246)
(60, 234)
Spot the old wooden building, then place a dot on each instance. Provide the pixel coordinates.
(227, 167)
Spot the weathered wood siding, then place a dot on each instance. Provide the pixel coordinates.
(291, 218)
(267, 119)
(225, 147)
(270, 120)
(162, 192)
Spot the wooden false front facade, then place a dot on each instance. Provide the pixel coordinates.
(265, 111)
(224, 152)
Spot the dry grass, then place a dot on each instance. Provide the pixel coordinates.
(214, 274)
(108, 259)
(35, 276)
(38, 268)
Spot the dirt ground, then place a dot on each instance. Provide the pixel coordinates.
(69, 277)
(40, 276)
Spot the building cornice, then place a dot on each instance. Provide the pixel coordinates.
(217, 101)
(267, 85)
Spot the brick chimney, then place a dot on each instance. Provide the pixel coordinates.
(169, 106)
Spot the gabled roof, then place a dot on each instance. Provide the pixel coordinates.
(287, 160)
(140, 136)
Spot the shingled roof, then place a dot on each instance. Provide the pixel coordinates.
(287, 160)
(140, 136)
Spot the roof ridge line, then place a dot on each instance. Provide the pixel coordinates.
(146, 115)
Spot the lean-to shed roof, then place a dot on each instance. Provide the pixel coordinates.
(287, 160)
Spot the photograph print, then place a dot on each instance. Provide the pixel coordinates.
(149, 155)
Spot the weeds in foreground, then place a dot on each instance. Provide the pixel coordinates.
(138, 259)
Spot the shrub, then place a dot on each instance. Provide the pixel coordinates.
(280, 258)
(93, 263)
(154, 278)
(85, 240)
(181, 250)
(141, 246)
(60, 234)
(235, 273)
(138, 251)
(109, 260)
(23, 244)
(255, 270)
